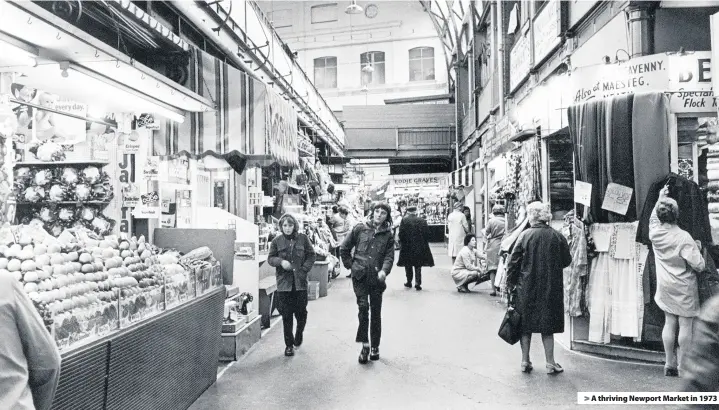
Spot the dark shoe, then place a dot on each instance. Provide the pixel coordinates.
(374, 355)
(298, 340)
(554, 368)
(527, 367)
(349, 275)
(364, 355)
(407, 285)
(462, 289)
(671, 372)
(418, 287)
(289, 351)
(493, 293)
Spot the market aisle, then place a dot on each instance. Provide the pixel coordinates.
(439, 350)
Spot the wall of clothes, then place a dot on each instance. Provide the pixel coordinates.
(623, 148)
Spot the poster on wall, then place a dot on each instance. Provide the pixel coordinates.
(178, 170)
(151, 169)
(167, 221)
(583, 193)
(130, 195)
(617, 198)
(184, 208)
(149, 206)
(38, 125)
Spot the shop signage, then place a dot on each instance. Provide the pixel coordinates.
(617, 198)
(685, 79)
(148, 122)
(130, 143)
(582, 193)
(126, 175)
(167, 221)
(281, 130)
(546, 30)
(184, 208)
(178, 171)
(130, 195)
(414, 180)
(151, 170)
(519, 61)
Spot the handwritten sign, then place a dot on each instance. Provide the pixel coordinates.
(582, 193)
(617, 198)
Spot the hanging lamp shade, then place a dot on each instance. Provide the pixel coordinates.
(354, 8)
(368, 68)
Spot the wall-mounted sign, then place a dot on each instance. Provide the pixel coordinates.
(685, 79)
(419, 180)
(546, 30)
(281, 130)
(519, 61)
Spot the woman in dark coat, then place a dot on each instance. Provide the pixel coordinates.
(535, 271)
(414, 252)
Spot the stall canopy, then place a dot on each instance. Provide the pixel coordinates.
(465, 175)
(252, 123)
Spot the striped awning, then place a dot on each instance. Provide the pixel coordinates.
(465, 175)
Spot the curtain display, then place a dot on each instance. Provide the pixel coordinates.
(615, 297)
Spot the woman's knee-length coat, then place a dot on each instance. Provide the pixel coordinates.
(536, 268)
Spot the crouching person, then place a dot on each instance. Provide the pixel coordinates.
(293, 256)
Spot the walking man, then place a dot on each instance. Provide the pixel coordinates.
(293, 255)
(372, 261)
(414, 250)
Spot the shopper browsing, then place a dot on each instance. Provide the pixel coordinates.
(536, 271)
(467, 268)
(675, 254)
(29, 358)
(372, 261)
(293, 255)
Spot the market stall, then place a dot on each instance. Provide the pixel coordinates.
(662, 131)
(429, 193)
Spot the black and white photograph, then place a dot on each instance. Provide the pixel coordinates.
(358, 204)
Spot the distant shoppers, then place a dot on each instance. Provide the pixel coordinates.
(293, 255)
(29, 358)
(397, 216)
(340, 226)
(494, 232)
(535, 271)
(676, 254)
(701, 360)
(467, 269)
(414, 251)
(370, 264)
(458, 228)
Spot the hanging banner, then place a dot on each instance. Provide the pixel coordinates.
(685, 79)
(281, 130)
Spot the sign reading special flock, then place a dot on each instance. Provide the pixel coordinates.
(685, 79)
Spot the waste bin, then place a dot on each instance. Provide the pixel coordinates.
(319, 273)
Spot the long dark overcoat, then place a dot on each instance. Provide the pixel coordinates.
(414, 248)
(536, 268)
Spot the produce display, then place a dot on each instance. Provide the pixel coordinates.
(86, 286)
(63, 197)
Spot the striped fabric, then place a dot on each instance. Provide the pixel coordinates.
(465, 175)
(221, 133)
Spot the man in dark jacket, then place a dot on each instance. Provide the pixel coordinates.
(293, 256)
(414, 248)
(372, 261)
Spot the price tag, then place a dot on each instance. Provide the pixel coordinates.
(583, 193)
(617, 198)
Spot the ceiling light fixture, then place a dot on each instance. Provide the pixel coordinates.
(354, 8)
(368, 68)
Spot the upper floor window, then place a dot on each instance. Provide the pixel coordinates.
(372, 68)
(280, 18)
(421, 64)
(326, 72)
(324, 13)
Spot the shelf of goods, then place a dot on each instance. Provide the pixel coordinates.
(63, 194)
(122, 311)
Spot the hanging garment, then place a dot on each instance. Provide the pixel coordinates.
(650, 142)
(625, 283)
(599, 299)
(621, 156)
(587, 127)
(576, 272)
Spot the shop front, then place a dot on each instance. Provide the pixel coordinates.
(635, 126)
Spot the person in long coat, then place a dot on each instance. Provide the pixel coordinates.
(535, 272)
(494, 232)
(458, 228)
(414, 252)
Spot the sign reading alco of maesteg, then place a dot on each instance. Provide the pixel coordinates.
(685, 79)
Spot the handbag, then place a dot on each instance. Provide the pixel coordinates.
(707, 279)
(511, 328)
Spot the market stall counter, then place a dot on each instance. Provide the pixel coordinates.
(165, 362)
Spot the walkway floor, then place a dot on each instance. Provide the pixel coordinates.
(440, 350)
